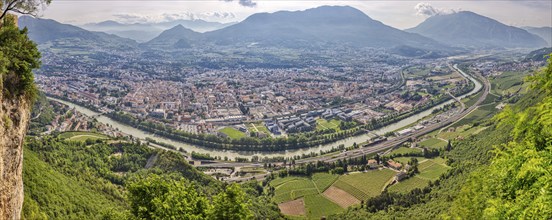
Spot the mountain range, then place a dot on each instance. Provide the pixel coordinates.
(143, 32)
(543, 32)
(313, 28)
(471, 30)
(326, 24)
(46, 30)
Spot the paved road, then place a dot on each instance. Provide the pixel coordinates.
(227, 164)
(399, 140)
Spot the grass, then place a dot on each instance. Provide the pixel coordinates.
(404, 150)
(479, 114)
(471, 100)
(364, 185)
(433, 143)
(462, 131)
(232, 133)
(432, 169)
(322, 124)
(82, 136)
(323, 180)
(405, 160)
(318, 206)
(257, 127)
(408, 185)
(290, 188)
(509, 82)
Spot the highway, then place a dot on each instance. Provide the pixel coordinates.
(399, 140)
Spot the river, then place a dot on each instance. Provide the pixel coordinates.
(248, 154)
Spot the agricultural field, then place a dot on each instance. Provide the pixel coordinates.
(479, 114)
(293, 208)
(471, 100)
(290, 188)
(322, 124)
(408, 185)
(365, 185)
(432, 169)
(318, 206)
(404, 150)
(509, 83)
(82, 136)
(232, 132)
(307, 191)
(341, 197)
(293, 188)
(405, 160)
(461, 132)
(433, 143)
(323, 180)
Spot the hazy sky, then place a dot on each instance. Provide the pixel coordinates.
(399, 14)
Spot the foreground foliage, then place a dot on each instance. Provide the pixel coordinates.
(124, 180)
(518, 182)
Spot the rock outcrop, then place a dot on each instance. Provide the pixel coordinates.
(14, 118)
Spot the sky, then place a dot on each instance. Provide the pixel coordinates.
(400, 14)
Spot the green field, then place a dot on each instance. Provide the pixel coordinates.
(432, 169)
(417, 72)
(323, 180)
(471, 100)
(481, 113)
(408, 185)
(82, 136)
(290, 188)
(294, 188)
(232, 133)
(317, 206)
(257, 127)
(509, 83)
(365, 185)
(433, 143)
(463, 131)
(404, 150)
(405, 160)
(322, 124)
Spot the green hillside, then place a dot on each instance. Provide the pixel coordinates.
(503, 172)
(67, 179)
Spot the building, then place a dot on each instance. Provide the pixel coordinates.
(373, 164)
(158, 113)
(401, 176)
(394, 165)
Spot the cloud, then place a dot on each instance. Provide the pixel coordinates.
(427, 10)
(129, 18)
(246, 3)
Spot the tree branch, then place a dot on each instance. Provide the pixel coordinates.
(9, 7)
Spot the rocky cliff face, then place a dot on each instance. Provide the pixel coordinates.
(14, 118)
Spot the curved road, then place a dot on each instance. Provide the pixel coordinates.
(399, 140)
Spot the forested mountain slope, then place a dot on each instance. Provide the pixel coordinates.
(108, 180)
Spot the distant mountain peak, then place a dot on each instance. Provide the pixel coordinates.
(469, 29)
